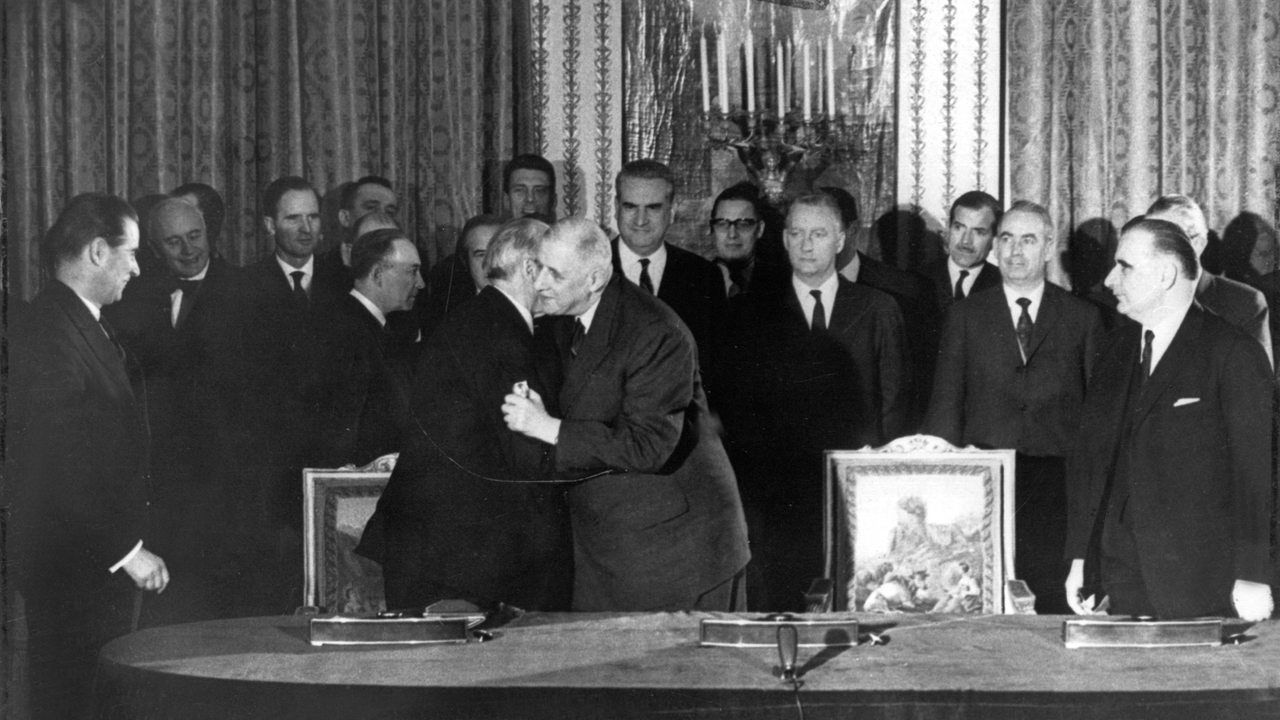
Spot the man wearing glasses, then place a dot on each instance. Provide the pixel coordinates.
(746, 258)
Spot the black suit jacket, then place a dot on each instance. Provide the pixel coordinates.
(664, 523)
(1237, 303)
(944, 290)
(920, 317)
(458, 511)
(986, 395)
(1197, 441)
(694, 287)
(78, 451)
(365, 384)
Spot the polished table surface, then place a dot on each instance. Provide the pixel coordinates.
(598, 665)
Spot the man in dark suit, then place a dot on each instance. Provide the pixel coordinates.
(660, 527)
(1233, 301)
(178, 322)
(459, 277)
(283, 305)
(686, 282)
(971, 227)
(1172, 465)
(369, 194)
(1012, 371)
(368, 369)
(459, 518)
(77, 460)
(745, 257)
(819, 366)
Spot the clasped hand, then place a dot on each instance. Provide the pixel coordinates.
(527, 415)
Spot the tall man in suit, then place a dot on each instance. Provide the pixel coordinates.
(819, 367)
(459, 518)
(284, 302)
(529, 188)
(660, 527)
(1172, 465)
(687, 283)
(368, 370)
(971, 227)
(77, 462)
(178, 322)
(1235, 302)
(1012, 370)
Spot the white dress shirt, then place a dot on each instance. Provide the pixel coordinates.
(631, 266)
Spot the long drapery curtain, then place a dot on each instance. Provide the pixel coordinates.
(135, 97)
(1113, 104)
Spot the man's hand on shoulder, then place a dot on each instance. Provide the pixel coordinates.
(148, 571)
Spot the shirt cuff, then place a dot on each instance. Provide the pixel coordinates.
(125, 560)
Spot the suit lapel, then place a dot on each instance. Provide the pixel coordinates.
(94, 336)
(1046, 319)
(596, 344)
(846, 310)
(1172, 364)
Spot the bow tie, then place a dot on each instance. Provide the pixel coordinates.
(186, 286)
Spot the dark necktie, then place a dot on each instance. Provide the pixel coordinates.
(188, 288)
(959, 293)
(579, 334)
(111, 335)
(1147, 337)
(1023, 328)
(299, 293)
(819, 323)
(645, 281)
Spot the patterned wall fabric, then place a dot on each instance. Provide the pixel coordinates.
(949, 103)
(1113, 104)
(136, 97)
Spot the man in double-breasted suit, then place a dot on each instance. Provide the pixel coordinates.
(1172, 467)
(818, 365)
(661, 527)
(1012, 370)
(460, 517)
(79, 541)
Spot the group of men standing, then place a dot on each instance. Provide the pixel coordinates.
(559, 398)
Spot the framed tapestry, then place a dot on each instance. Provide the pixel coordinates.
(919, 526)
(336, 506)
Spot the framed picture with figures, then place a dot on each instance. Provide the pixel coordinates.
(919, 526)
(337, 504)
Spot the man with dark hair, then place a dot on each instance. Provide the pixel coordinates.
(971, 227)
(912, 293)
(659, 525)
(179, 322)
(369, 194)
(529, 187)
(209, 202)
(282, 303)
(821, 366)
(1233, 301)
(457, 519)
(1172, 464)
(687, 283)
(459, 277)
(738, 229)
(365, 406)
(1012, 371)
(77, 460)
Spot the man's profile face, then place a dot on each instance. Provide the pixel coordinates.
(969, 235)
(1022, 248)
(736, 229)
(401, 274)
(296, 225)
(645, 211)
(476, 246)
(370, 197)
(180, 239)
(529, 193)
(121, 265)
(1135, 280)
(814, 237)
(563, 283)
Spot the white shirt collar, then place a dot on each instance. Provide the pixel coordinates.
(524, 311)
(307, 269)
(1011, 296)
(1163, 332)
(368, 304)
(200, 275)
(631, 267)
(954, 270)
(588, 316)
(807, 301)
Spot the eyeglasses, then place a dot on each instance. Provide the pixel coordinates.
(742, 224)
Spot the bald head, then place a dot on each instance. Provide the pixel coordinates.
(1186, 214)
(176, 231)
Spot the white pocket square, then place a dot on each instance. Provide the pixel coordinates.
(1185, 401)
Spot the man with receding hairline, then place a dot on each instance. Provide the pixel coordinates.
(1172, 465)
